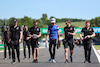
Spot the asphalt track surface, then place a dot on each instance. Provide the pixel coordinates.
(78, 59)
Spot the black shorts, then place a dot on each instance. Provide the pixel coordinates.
(34, 44)
(69, 43)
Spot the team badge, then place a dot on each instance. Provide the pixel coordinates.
(70, 28)
(37, 29)
(17, 28)
(57, 27)
(90, 29)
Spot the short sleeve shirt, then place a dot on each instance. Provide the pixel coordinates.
(70, 29)
(7, 35)
(25, 34)
(53, 31)
(33, 30)
(88, 31)
(15, 33)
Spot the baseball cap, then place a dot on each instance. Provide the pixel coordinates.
(15, 20)
(53, 20)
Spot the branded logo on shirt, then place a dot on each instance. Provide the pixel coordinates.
(37, 29)
(17, 28)
(57, 27)
(31, 29)
(70, 28)
(90, 29)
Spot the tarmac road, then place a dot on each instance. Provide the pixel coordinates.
(78, 59)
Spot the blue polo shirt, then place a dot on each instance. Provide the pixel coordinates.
(53, 31)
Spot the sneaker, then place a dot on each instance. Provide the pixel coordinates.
(85, 61)
(53, 61)
(89, 61)
(66, 61)
(36, 61)
(13, 62)
(28, 57)
(25, 58)
(50, 59)
(9, 57)
(71, 59)
(5, 58)
(19, 60)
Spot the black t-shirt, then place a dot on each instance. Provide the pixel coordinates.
(15, 33)
(7, 36)
(26, 34)
(34, 31)
(88, 31)
(70, 29)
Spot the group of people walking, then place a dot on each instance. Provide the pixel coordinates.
(14, 35)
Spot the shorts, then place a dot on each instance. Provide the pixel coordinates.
(34, 44)
(69, 43)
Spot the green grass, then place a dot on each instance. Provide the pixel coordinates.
(1, 49)
(76, 24)
(97, 47)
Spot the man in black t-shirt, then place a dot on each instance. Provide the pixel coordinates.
(15, 39)
(35, 34)
(6, 43)
(26, 41)
(69, 31)
(87, 40)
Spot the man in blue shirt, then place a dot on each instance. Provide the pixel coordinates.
(53, 35)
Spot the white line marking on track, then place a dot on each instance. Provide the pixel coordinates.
(98, 56)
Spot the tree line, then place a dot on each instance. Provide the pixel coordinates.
(43, 22)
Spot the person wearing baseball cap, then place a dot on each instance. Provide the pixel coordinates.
(15, 40)
(87, 40)
(53, 36)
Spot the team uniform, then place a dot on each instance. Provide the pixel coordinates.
(69, 38)
(34, 40)
(53, 36)
(15, 36)
(87, 42)
(26, 43)
(6, 44)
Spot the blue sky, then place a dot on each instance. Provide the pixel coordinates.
(81, 9)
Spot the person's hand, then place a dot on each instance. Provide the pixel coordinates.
(9, 41)
(31, 35)
(37, 36)
(81, 38)
(46, 41)
(69, 33)
(88, 36)
(27, 38)
(2, 42)
(19, 40)
(75, 45)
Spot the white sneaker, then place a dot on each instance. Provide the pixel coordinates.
(53, 61)
(5, 58)
(13, 62)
